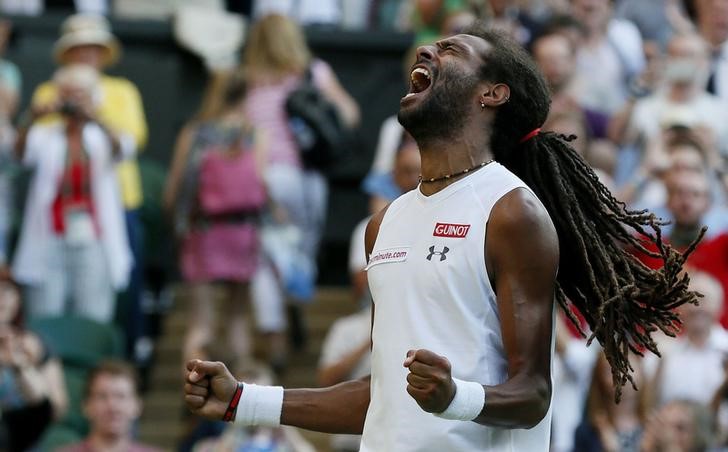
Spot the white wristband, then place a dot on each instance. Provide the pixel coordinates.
(260, 406)
(468, 402)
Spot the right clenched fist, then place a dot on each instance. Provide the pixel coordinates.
(209, 388)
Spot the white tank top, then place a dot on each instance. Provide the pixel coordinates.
(431, 290)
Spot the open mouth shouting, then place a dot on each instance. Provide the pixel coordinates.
(420, 81)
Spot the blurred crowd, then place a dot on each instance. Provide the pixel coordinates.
(640, 88)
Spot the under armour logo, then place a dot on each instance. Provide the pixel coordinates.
(438, 253)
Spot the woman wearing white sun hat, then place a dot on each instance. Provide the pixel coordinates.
(87, 39)
(72, 244)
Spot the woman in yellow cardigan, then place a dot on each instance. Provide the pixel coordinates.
(87, 39)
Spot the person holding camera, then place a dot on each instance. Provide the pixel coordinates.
(87, 39)
(72, 243)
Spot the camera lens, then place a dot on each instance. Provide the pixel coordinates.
(69, 108)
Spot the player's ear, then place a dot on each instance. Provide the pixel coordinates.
(494, 95)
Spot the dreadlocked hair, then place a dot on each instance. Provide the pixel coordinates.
(622, 300)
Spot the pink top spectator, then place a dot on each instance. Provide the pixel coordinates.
(265, 109)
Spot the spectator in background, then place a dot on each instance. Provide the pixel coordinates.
(555, 54)
(573, 364)
(677, 148)
(86, 39)
(112, 406)
(681, 98)
(38, 7)
(599, 154)
(387, 187)
(32, 387)
(690, 206)
(711, 19)
(678, 426)
(428, 17)
(22, 7)
(431, 19)
(304, 12)
(711, 257)
(356, 14)
(215, 193)
(545, 10)
(509, 16)
(611, 426)
(565, 24)
(609, 57)
(702, 348)
(275, 60)
(657, 20)
(10, 79)
(10, 84)
(72, 243)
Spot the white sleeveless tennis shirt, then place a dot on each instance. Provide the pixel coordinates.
(431, 290)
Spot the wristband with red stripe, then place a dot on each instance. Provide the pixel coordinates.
(232, 408)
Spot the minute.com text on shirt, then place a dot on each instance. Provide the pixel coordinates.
(385, 255)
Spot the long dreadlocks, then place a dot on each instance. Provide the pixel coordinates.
(622, 300)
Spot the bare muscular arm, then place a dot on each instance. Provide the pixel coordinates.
(336, 409)
(522, 253)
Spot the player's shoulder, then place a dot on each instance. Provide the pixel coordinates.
(372, 229)
(389, 211)
(379, 218)
(520, 211)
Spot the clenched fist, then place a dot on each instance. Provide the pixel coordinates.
(429, 381)
(209, 388)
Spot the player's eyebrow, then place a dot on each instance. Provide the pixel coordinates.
(454, 44)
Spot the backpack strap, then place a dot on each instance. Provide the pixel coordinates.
(308, 75)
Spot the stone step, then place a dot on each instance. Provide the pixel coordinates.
(317, 321)
(165, 435)
(330, 303)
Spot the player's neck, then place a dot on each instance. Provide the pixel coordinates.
(441, 158)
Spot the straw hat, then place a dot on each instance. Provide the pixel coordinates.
(87, 29)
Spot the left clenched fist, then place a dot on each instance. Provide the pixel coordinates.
(429, 381)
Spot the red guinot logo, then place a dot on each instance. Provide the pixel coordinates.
(457, 231)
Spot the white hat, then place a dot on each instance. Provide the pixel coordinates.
(87, 29)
